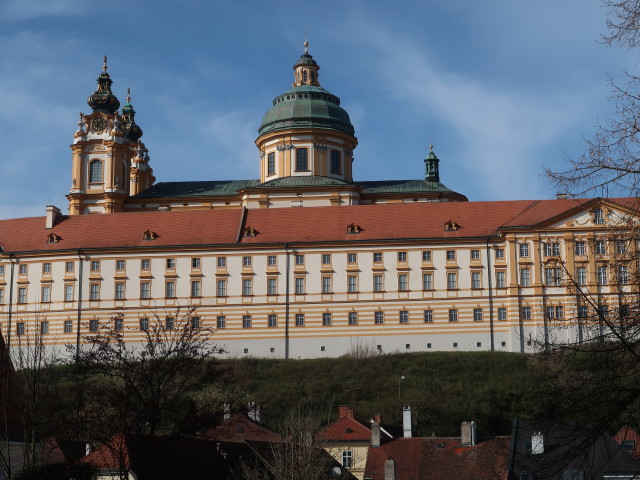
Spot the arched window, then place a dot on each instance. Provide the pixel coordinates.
(302, 159)
(95, 171)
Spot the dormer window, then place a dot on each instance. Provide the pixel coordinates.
(53, 238)
(353, 229)
(451, 226)
(598, 216)
(250, 232)
(149, 235)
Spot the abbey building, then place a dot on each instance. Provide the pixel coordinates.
(305, 260)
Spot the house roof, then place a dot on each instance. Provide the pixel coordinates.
(393, 222)
(438, 458)
(219, 188)
(346, 429)
(240, 428)
(56, 450)
(628, 434)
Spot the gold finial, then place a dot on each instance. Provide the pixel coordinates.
(128, 99)
(104, 65)
(306, 43)
(81, 115)
(431, 147)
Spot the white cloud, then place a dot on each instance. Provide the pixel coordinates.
(30, 9)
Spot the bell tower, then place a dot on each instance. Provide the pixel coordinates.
(106, 154)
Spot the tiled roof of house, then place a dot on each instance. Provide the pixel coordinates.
(393, 222)
(628, 434)
(240, 428)
(440, 459)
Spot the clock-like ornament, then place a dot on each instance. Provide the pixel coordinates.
(98, 124)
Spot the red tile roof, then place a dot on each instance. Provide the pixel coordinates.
(440, 459)
(239, 428)
(280, 225)
(627, 433)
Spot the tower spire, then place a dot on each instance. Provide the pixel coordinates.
(134, 132)
(432, 173)
(103, 100)
(306, 68)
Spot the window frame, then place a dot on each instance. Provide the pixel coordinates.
(302, 159)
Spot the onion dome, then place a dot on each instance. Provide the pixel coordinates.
(134, 132)
(103, 100)
(307, 104)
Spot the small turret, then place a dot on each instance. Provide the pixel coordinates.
(306, 69)
(134, 132)
(432, 173)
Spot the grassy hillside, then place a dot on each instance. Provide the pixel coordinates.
(442, 388)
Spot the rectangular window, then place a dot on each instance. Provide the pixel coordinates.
(426, 255)
(623, 274)
(195, 288)
(299, 319)
(68, 267)
(272, 320)
(44, 327)
(553, 277)
(477, 314)
(347, 459)
(145, 264)
(171, 263)
(525, 313)
(598, 216)
(144, 324)
(352, 258)
(118, 324)
(326, 259)
(499, 253)
(145, 290)
(550, 312)
(195, 262)
(326, 318)
(352, 283)
(271, 164)
(559, 312)
(272, 286)
(246, 321)
(404, 316)
(20, 328)
(502, 313)
(501, 280)
(302, 160)
(221, 321)
(95, 265)
(68, 293)
(601, 247)
(46, 293)
(247, 287)
(272, 260)
(68, 326)
(170, 289)
(475, 254)
(93, 325)
(451, 254)
(1, 296)
(22, 294)
(452, 281)
(583, 311)
(427, 281)
(525, 277)
(475, 280)
(453, 315)
(581, 275)
(621, 247)
(120, 265)
(299, 259)
(221, 262)
(524, 249)
(246, 261)
(402, 256)
(46, 268)
(169, 323)
(602, 275)
(378, 317)
(1, 270)
(377, 283)
(299, 285)
(428, 316)
(353, 318)
(326, 284)
(377, 257)
(221, 288)
(23, 269)
(335, 162)
(551, 249)
(580, 248)
(195, 323)
(94, 291)
(119, 291)
(403, 283)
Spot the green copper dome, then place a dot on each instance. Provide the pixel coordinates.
(304, 107)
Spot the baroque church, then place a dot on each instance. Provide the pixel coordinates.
(304, 261)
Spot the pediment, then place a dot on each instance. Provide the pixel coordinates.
(592, 216)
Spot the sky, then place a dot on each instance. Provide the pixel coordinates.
(503, 89)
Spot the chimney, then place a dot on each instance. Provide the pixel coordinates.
(537, 443)
(375, 435)
(87, 449)
(377, 418)
(52, 216)
(342, 411)
(468, 433)
(561, 196)
(226, 409)
(390, 469)
(406, 422)
(350, 412)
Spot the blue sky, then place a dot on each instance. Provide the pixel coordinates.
(501, 88)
